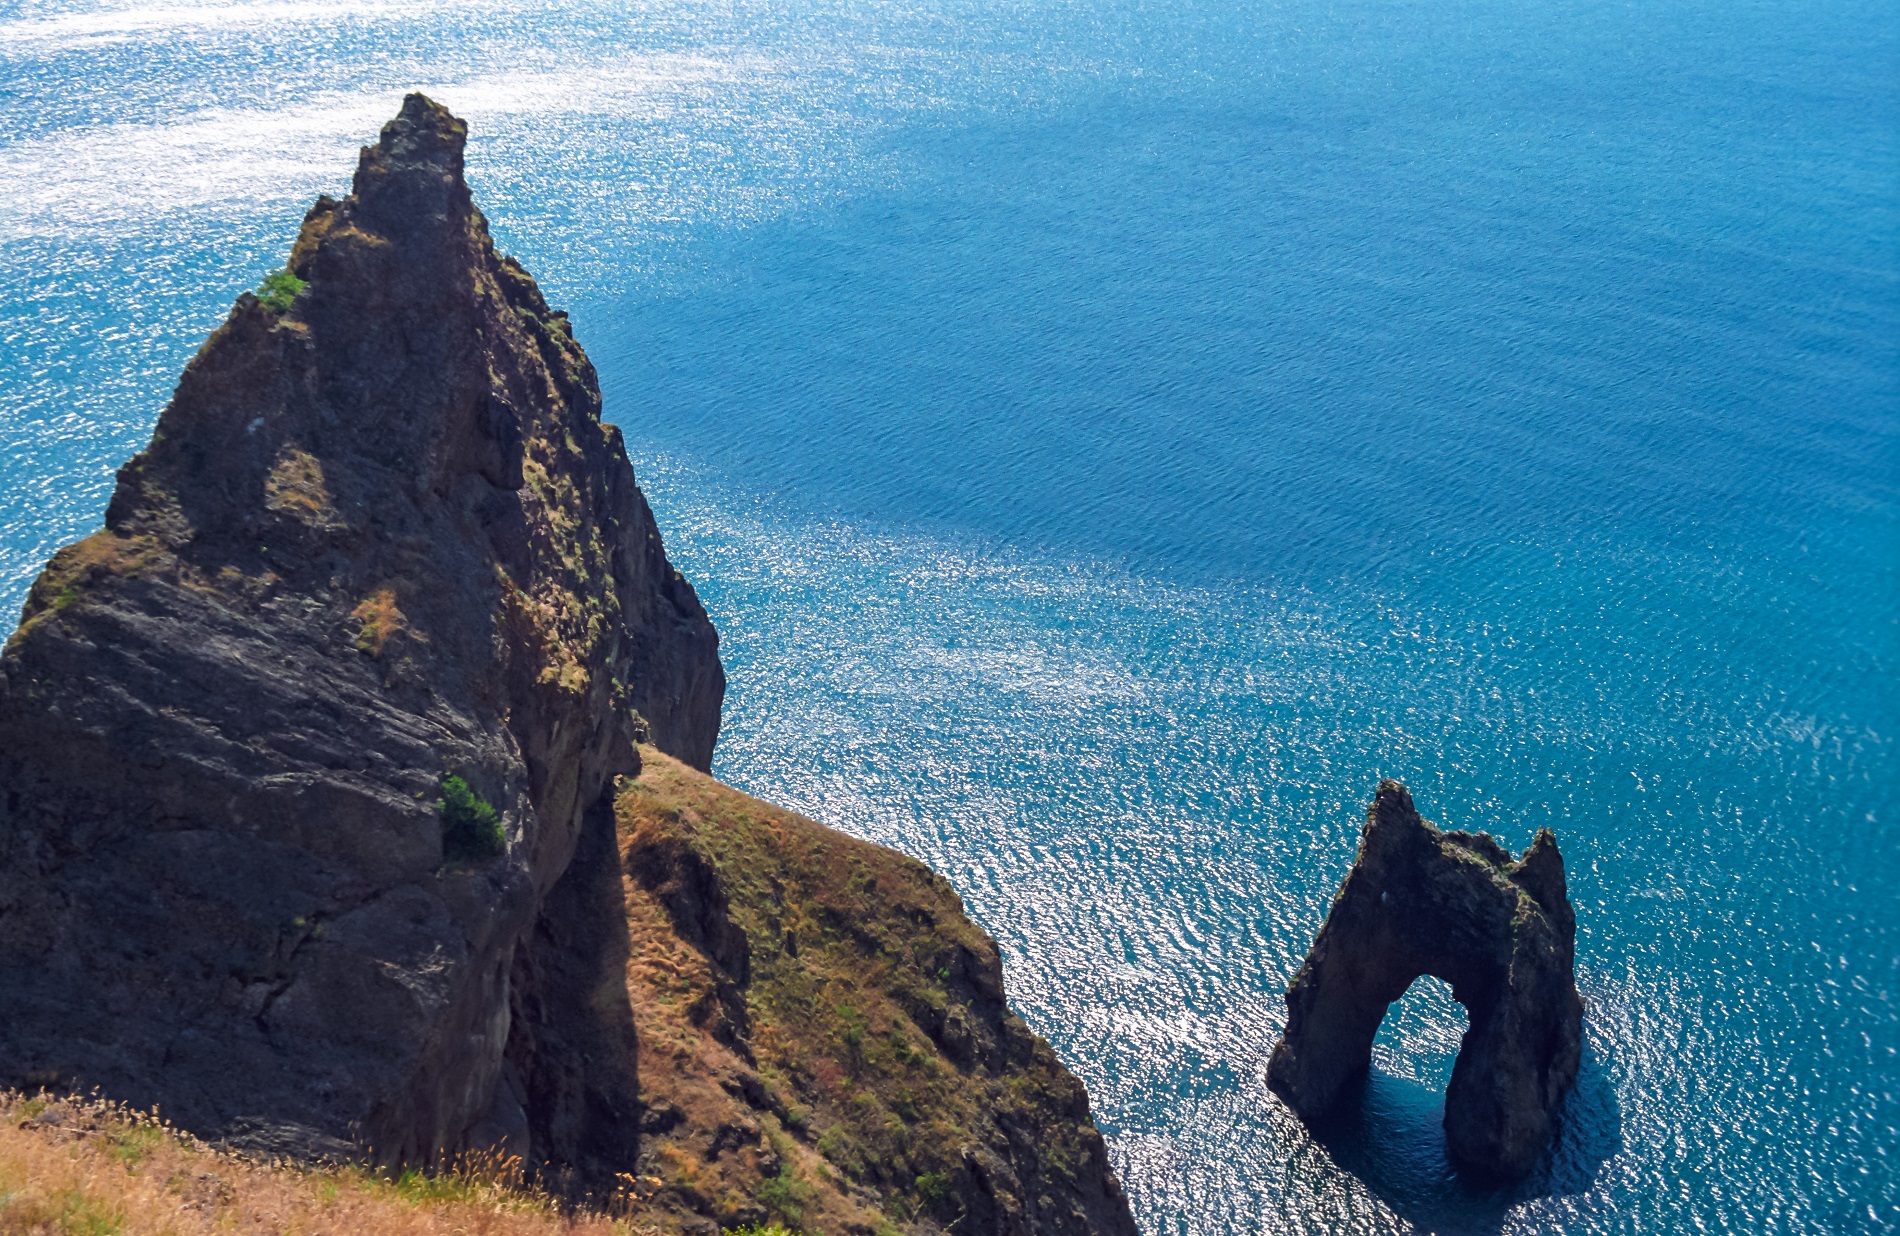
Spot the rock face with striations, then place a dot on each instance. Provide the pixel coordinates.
(309, 764)
(1452, 905)
(378, 538)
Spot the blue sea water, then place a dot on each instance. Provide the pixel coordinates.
(1110, 436)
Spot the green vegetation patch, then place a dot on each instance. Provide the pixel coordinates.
(131, 1144)
(785, 1195)
(279, 288)
(865, 1002)
(471, 827)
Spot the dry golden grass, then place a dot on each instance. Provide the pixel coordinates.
(91, 1169)
(380, 620)
(296, 487)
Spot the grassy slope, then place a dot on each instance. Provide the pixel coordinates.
(868, 1070)
(87, 1169)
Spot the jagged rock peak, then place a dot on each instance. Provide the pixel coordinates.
(413, 174)
(1453, 905)
(381, 538)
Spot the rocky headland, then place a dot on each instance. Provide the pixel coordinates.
(353, 796)
(1502, 933)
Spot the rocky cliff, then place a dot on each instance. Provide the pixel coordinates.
(309, 772)
(1453, 905)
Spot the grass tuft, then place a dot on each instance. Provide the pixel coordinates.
(279, 289)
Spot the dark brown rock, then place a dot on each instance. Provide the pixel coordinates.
(1453, 905)
(378, 538)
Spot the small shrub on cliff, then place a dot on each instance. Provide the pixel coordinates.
(785, 1195)
(933, 1190)
(279, 288)
(471, 827)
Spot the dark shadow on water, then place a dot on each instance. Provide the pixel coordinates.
(1389, 1132)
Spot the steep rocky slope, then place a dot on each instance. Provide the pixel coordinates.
(823, 1034)
(308, 777)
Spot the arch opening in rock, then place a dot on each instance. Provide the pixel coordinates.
(1419, 901)
(1419, 1037)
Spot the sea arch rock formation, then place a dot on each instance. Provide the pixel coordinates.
(1453, 905)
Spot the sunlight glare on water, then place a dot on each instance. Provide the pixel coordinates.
(1111, 437)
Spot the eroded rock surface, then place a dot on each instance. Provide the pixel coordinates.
(1455, 906)
(377, 538)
